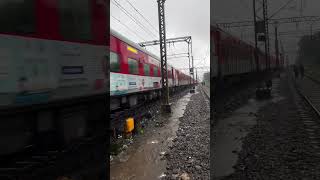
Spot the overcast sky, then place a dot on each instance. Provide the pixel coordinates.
(183, 18)
(240, 10)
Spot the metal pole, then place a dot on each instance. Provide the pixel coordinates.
(163, 56)
(277, 44)
(191, 71)
(189, 55)
(192, 63)
(197, 75)
(266, 47)
(255, 36)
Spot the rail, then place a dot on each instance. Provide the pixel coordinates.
(304, 95)
(205, 91)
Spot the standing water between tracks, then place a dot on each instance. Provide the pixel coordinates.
(230, 132)
(144, 159)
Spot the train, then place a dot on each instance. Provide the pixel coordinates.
(53, 77)
(135, 73)
(232, 57)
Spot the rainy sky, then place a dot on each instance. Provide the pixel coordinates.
(241, 10)
(183, 18)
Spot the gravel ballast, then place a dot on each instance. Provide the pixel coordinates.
(278, 147)
(188, 157)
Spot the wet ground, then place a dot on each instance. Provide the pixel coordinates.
(189, 155)
(277, 147)
(144, 159)
(231, 131)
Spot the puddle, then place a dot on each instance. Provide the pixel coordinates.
(232, 130)
(143, 160)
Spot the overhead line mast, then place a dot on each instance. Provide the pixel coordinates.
(188, 40)
(165, 106)
(286, 20)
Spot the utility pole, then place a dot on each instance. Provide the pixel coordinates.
(197, 75)
(276, 44)
(261, 29)
(255, 36)
(192, 72)
(165, 106)
(265, 18)
(188, 40)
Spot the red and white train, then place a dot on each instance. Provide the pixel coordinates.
(53, 56)
(135, 73)
(231, 56)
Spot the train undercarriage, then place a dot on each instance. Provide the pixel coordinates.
(45, 141)
(125, 106)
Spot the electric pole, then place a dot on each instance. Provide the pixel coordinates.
(192, 72)
(255, 36)
(163, 56)
(266, 32)
(276, 44)
(188, 40)
(197, 75)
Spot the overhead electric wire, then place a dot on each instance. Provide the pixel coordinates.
(133, 19)
(142, 16)
(128, 28)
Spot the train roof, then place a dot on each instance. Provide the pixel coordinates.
(249, 43)
(133, 44)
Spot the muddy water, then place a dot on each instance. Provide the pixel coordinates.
(232, 130)
(143, 160)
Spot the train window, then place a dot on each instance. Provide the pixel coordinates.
(75, 19)
(17, 16)
(146, 68)
(133, 66)
(114, 62)
(155, 71)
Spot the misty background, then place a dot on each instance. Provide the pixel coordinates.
(289, 34)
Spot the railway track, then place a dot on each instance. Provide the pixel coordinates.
(143, 114)
(308, 106)
(144, 108)
(33, 163)
(206, 91)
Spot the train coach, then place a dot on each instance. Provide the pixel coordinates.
(232, 57)
(135, 73)
(53, 77)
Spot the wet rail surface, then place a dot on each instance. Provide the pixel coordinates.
(308, 103)
(309, 89)
(144, 160)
